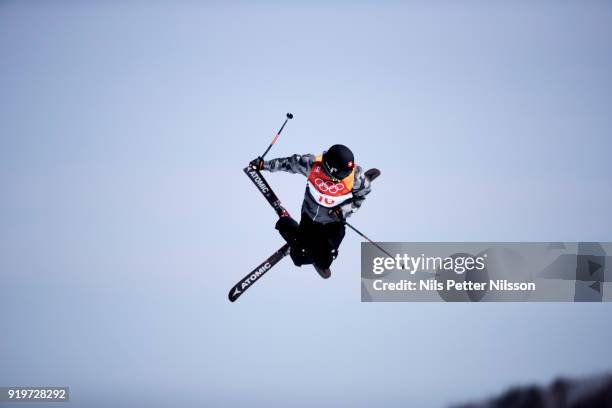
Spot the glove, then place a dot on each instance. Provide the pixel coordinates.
(337, 212)
(257, 164)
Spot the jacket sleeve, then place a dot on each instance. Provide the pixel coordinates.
(294, 164)
(361, 188)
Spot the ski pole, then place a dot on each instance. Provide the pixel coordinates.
(368, 239)
(289, 116)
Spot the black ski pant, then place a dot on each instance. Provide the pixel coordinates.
(311, 242)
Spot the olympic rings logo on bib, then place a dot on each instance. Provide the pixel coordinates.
(326, 186)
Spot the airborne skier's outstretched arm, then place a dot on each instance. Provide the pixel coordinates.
(296, 164)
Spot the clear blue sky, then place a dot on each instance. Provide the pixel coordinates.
(125, 217)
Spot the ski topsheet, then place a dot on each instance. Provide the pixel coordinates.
(265, 189)
(257, 273)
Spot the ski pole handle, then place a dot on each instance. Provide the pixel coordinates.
(289, 116)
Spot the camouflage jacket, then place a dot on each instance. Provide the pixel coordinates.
(302, 164)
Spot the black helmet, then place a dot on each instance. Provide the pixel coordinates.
(338, 161)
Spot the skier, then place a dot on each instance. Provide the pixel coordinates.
(335, 189)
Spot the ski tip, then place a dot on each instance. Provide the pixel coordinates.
(234, 294)
(372, 174)
(324, 273)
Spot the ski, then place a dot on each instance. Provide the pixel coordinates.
(324, 273)
(257, 273)
(372, 174)
(265, 189)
